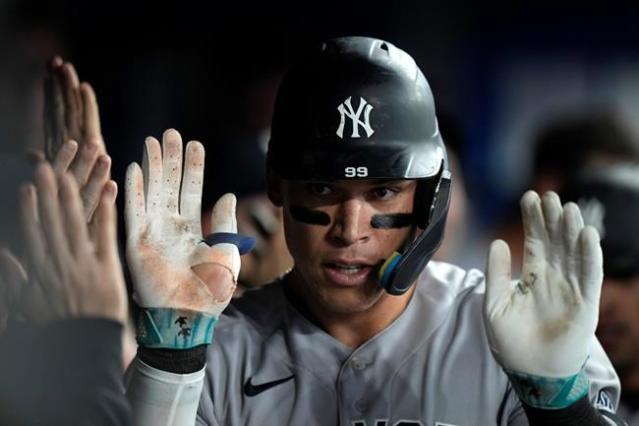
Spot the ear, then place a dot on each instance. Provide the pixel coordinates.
(274, 187)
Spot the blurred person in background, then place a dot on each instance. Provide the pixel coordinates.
(562, 150)
(242, 154)
(454, 246)
(63, 302)
(609, 200)
(71, 113)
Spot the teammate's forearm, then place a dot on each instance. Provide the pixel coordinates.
(74, 370)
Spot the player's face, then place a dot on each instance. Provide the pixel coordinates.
(333, 233)
(618, 329)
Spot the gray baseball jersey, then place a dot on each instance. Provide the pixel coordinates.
(432, 366)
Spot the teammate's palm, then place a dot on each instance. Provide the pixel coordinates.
(544, 323)
(170, 264)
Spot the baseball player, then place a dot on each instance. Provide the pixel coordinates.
(364, 330)
(609, 200)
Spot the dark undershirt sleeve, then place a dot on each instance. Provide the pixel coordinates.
(581, 413)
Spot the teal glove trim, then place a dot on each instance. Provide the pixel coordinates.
(174, 328)
(549, 393)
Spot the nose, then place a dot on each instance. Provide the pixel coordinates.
(352, 223)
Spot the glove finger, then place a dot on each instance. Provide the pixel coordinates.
(223, 220)
(191, 196)
(152, 171)
(572, 226)
(498, 279)
(171, 169)
(591, 265)
(134, 212)
(553, 212)
(535, 235)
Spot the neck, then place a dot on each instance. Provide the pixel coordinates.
(352, 328)
(355, 329)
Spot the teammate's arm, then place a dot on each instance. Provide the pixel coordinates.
(540, 327)
(67, 360)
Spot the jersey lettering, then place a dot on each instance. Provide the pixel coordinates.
(603, 401)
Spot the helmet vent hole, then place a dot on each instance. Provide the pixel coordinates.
(384, 46)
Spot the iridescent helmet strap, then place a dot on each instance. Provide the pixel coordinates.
(401, 269)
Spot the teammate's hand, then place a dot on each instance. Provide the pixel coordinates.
(72, 124)
(544, 323)
(74, 268)
(70, 109)
(171, 266)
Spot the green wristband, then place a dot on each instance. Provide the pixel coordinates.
(549, 393)
(174, 328)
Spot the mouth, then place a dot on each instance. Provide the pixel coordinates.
(347, 273)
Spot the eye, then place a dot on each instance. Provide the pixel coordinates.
(384, 192)
(321, 189)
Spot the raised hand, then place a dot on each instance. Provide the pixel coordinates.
(73, 136)
(171, 266)
(543, 324)
(74, 268)
(70, 109)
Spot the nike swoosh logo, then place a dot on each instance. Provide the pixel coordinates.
(252, 390)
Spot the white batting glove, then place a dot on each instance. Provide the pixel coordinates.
(540, 328)
(170, 265)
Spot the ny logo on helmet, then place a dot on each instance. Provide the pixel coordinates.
(346, 110)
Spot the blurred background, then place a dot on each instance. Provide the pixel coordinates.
(503, 78)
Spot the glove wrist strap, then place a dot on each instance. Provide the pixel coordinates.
(549, 393)
(174, 328)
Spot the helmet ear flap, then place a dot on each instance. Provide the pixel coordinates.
(426, 198)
